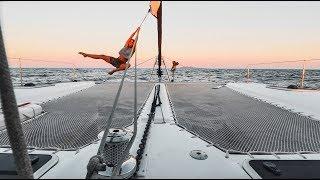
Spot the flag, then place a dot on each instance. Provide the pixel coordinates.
(154, 7)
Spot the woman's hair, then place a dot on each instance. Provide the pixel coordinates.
(131, 41)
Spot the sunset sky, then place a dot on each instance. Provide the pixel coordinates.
(200, 34)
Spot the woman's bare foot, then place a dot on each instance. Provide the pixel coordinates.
(83, 54)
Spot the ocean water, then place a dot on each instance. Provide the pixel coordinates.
(273, 77)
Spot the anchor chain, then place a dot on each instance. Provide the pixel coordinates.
(143, 141)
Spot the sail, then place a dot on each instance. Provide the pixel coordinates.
(154, 7)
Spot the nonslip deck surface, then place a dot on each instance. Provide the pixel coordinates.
(75, 120)
(232, 121)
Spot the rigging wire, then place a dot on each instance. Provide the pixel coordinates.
(146, 60)
(145, 17)
(278, 62)
(166, 70)
(41, 60)
(155, 62)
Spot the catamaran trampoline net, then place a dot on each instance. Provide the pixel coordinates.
(235, 122)
(75, 120)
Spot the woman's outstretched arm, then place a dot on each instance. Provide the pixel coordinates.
(131, 36)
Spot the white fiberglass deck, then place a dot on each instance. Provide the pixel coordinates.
(305, 102)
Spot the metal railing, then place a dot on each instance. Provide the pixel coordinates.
(74, 74)
(303, 69)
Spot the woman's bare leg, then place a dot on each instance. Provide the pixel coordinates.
(95, 56)
(121, 68)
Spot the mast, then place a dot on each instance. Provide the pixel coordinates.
(159, 22)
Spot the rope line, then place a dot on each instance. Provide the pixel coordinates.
(144, 18)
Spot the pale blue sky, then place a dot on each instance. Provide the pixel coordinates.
(203, 34)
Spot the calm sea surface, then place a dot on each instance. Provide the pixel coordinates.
(274, 77)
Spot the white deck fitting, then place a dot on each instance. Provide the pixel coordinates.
(304, 102)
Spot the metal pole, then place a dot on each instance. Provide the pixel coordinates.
(11, 117)
(303, 74)
(248, 73)
(159, 23)
(20, 69)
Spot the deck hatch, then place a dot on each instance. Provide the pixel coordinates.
(289, 169)
(38, 162)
